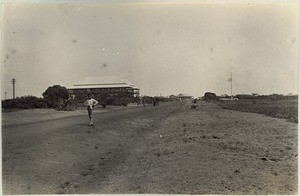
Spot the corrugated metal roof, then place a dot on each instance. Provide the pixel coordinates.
(102, 80)
(100, 86)
(184, 95)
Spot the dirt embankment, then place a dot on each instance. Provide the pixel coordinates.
(212, 151)
(167, 149)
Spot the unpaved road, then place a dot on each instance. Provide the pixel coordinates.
(165, 149)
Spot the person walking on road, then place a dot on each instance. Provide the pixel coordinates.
(143, 101)
(90, 104)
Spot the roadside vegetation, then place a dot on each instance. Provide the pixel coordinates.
(277, 106)
(57, 97)
(25, 102)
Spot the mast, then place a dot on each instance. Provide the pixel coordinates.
(231, 80)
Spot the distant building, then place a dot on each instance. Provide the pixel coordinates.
(229, 99)
(103, 85)
(174, 97)
(224, 96)
(184, 97)
(290, 95)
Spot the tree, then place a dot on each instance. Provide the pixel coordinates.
(208, 96)
(54, 95)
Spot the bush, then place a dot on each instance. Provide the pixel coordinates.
(122, 99)
(104, 99)
(25, 102)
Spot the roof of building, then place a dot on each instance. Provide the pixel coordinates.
(185, 95)
(100, 86)
(102, 82)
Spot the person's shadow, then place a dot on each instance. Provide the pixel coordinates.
(85, 125)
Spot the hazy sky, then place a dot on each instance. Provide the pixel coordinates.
(168, 48)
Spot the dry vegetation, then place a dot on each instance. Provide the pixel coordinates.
(287, 109)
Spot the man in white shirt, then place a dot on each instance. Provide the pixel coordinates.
(90, 103)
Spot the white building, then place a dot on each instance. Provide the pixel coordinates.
(111, 85)
(184, 97)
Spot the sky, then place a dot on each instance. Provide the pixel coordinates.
(162, 48)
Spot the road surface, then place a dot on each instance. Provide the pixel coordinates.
(168, 149)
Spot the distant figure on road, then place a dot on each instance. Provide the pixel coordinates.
(143, 101)
(155, 101)
(90, 104)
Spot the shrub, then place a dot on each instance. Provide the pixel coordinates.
(104, 99)
(25, 102)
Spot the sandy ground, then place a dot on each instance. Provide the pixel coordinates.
(165, 149)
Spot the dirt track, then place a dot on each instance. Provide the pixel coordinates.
(164, 149)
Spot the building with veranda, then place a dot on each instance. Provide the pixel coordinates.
(97, 85)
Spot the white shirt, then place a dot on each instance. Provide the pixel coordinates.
(90, 103)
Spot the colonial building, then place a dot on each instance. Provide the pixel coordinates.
(103, 85)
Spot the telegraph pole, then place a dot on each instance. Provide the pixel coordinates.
(5, 95)
(13, 81)
(231, 80)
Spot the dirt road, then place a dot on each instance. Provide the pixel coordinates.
(165, 149)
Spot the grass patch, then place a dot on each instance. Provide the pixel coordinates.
(287, 109)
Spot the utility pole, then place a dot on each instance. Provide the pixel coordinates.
(231, 80)
(5, 95)
(13, 81)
